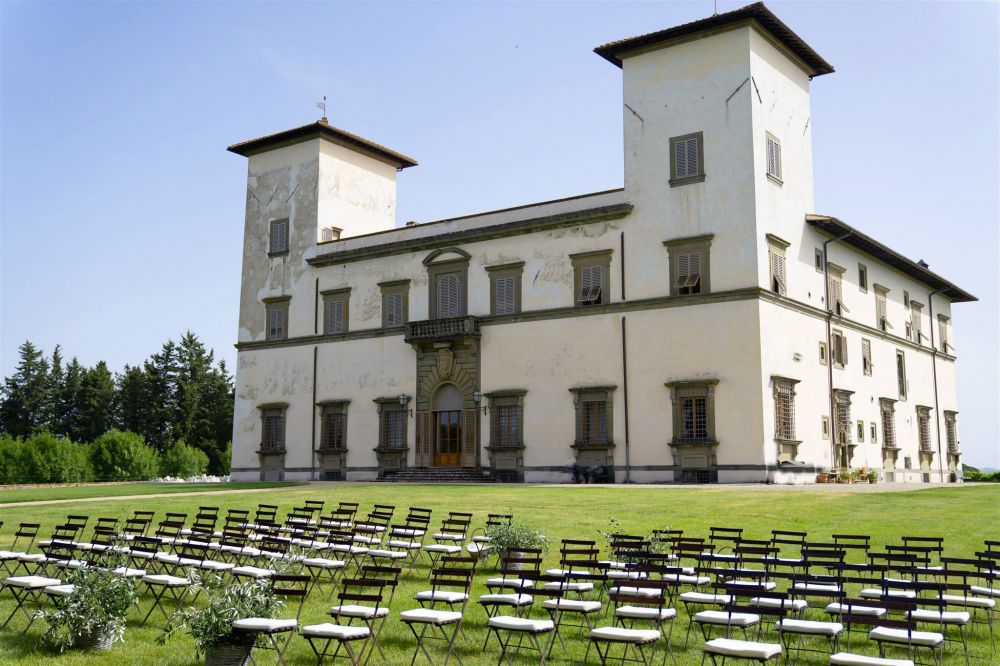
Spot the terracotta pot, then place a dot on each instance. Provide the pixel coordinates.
(822, 477)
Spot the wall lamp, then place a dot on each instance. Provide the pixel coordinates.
(404, 400)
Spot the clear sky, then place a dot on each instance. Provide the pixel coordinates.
(122, 213)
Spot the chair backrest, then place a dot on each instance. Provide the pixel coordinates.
(897, 561)
(144, 515)
(389, 575)
(193, 551)
(458, 526)
(453, 574)
(517, 562)
(849, 616)
(65, 532)
(292, 587)
(26, 532)
(934, 545)
(136, 526)
(179, 518)
(266, 513)
(209, 511)
(741, 599)
(201, 534)
(364, 591)
(314, 506)
(923, 555)
(497, 519)
(237, 515)
(337, 519)
(77, 521)
(726, 534)
(789, 537)
(144, 544)
(854, 541)
(274, 547)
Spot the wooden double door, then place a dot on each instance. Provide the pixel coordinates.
(447, 434)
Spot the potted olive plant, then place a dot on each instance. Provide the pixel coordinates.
(211, 625)
(515, 534)
(93, 614)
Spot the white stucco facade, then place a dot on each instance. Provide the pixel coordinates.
(649, 380)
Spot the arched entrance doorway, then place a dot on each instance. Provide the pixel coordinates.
(446, 409)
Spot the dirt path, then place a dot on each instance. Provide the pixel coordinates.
(193, 493)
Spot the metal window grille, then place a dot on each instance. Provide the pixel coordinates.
(844, 425)
(951, 433)
(694, 419)
(274, 431)
(686, 158)
(888, 428)
(866, 356)
(595, 422)
(393, 428)
(394, 309)
(334, 430)
(784, 412)
(924, 429)
(506, 425)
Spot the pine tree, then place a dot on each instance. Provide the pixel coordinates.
(25, 393)
(69, 401)
(56, 379)
(161, 396)
(98, 396)
(132, 412)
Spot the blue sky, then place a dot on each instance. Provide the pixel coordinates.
(122, 213)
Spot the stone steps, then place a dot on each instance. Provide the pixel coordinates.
(439, 475)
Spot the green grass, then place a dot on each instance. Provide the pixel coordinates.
(45, 493)
(964, 516)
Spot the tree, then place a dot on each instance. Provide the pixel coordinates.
(25, 393)
(98, 394)
(56, 380)
(131, 409)
(161, 396)
(69, 402)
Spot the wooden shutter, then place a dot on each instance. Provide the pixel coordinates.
(470, 435)
(777, 261)
(335, 316)
(394, 309)
(505, 298)
(449, 294)
(591, 284)
(279, 236)
(686, 158)
(424, 437)
(774, 158)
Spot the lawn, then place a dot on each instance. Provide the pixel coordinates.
(964, 516)
(44, 493)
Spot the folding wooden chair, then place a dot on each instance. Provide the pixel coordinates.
(450, 585)
(450, 538)
(24, 539)
(365, 600)
(27, 589)
(287, 586)
(639, 607)
(165, 588)
(514, 565)
(408, 537)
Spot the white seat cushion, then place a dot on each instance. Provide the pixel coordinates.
(842, 609)
(811, 627)
(164, 579)
(505, 599)
(387, 554)
(323, 563)
(621, 635)
(821, 588)
(408, 545)
(521, 624)
(705, 598)
(645, 612)
(626, 575)
(31, 557)
(572, 605)
(568, 587)
(973, 602)
(685, 579)
(60, 590)
(442, 595)
(265, 624)
(449, 536)
(515, 583)
(730, 619)
(337, 631)
(430, 616)
(212, 565)
(730, 647)
(477, 547)
(443, 548)
(939, 617)
(353, 610)
(849, 659)
(987, 591)
(407, 532)
(31, 582)
(252, 572)
(787, 604)
(648, 592)
(481, 539)
(128, 572)
(878, 593)
(767, 585)
(889, 635)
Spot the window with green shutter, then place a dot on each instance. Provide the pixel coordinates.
(279, 237)
(687, 157)
(505, 288)
(689, 265)
(276, 318)
(336, 311)
(395, 303)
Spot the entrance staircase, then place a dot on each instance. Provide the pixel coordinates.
(440, 475)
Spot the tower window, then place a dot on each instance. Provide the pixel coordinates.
(687, 159)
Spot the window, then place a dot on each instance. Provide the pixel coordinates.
(924, 427)
(395, 303)
(279, 237)
(838, 348)
(908, 462)
(901, 382)
(272, 428)
(908, 327)
(836, 291)
(861, 431)
(842, 418)
(906, 299)
(447, 281)
(591, 274)
(888, 412)
(776, 264)
(333, 425)
(943, 344)
(916, 321)
(391, 424)
(881, 308)
(822, 353)
(784, 408)
(773, 158)
(594, 416)
(951, 430)
(276, 316)
(866, 356)
(693, 411)
(818, 260)
(689, 265)
(505, 288)
(873, 434)
(863, 278)
(506, 418)
(825, 424)
(687, 158)
(335, 310)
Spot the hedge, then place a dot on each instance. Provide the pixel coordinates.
(182, 460)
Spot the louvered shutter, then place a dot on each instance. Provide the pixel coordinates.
(694, 267)
(279, 236)
(691, 147)
(505, 297)
(335, 316)
(449, 294)
(774, 158)
(470, 436)
(680, 160)
(423, 456)
(591, 278)
(683, 268)
(394, 309)
(778, 272)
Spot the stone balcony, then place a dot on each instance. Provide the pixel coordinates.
(452, 328)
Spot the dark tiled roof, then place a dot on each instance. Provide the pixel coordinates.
(757, 11)
(851, 236)
(322, 129)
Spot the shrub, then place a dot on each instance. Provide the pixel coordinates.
(183, 461)
(44, 458)
(227, 459)
(123, 456)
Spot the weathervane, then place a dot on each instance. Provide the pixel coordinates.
(322, 106)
